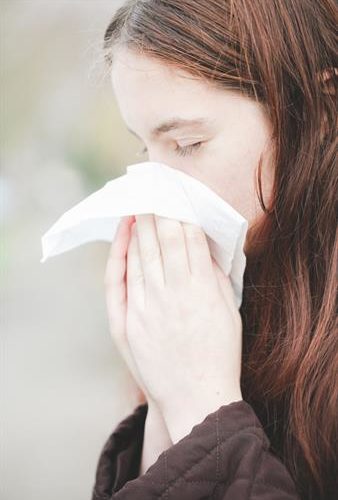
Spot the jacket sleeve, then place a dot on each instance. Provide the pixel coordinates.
(224, 457)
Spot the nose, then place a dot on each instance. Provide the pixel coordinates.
(158, 154)
(153, 155)
(161, 157)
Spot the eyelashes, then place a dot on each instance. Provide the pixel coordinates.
(187, 150)
(181, 151)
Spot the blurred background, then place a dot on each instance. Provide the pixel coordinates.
(64, 386)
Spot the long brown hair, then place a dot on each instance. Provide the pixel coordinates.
(281, 54)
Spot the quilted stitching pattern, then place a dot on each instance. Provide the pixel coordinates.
(225, 457)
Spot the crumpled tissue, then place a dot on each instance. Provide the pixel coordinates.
(157, 188)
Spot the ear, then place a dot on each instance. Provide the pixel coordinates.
(326, 78)
(328, 87)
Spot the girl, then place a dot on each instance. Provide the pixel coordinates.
(240, 94)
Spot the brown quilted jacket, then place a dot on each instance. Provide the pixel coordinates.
(224, 457)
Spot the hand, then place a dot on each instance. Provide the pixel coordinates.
(183, 326)
(157, 437)
(115, 285)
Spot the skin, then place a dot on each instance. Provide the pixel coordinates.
(168, 303)
(149, 93)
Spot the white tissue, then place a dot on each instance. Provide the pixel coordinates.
(152, 187)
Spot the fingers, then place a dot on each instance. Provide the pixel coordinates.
(115, 283)
(116, 294)
(135, 277)
(150, 252)
(116, 263)
(173, 250)
(200, 262)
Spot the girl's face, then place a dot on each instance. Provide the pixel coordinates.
(214, 135)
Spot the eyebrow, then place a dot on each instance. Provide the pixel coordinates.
(174, 124)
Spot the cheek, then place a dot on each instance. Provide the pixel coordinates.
(231, 181)
(239, 191)
(234, 173)
(232, 177)
(228, 169)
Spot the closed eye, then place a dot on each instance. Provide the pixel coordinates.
(188, 150)
(181, 151)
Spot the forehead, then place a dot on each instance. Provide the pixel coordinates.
(149, 92)
(144, 84)
(132, 68)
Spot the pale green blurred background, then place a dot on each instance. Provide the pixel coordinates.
(64, 386)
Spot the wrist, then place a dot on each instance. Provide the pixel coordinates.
(156, 425)
(154, 412)
(181, 416)
(156, 438)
